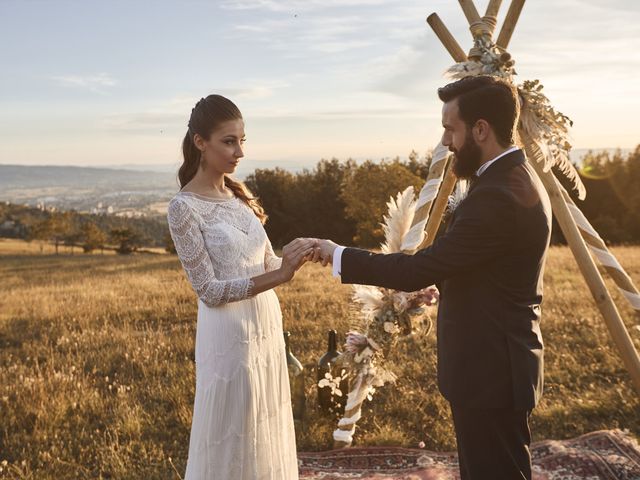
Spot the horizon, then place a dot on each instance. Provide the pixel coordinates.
(90, 86)
(576, 156)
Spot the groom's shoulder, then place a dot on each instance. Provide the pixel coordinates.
(489, 195)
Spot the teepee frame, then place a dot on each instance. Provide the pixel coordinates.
(565, 211)
(440, 183)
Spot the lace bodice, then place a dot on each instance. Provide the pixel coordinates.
(221, 245)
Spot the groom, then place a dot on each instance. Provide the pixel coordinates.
(488, 266)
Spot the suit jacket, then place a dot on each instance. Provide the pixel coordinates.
(488, 266)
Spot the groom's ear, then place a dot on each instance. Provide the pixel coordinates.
(481, 131)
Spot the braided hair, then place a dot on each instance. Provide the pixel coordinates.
(206, 116)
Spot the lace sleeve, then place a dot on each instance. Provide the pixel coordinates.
(194, 257)
(271, 260)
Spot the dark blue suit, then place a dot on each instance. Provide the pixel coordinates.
(488, 266)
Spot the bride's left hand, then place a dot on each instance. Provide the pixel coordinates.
(295, 254)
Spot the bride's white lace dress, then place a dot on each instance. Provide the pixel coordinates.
(242, 425)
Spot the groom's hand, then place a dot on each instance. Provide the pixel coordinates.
(323, 252)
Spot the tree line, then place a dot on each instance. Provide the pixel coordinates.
(345, 201)
(88, 232)
(341, 200)
(612, 204)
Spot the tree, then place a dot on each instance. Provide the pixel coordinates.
(613, 198)
(40, 230)
(59, 226)
(92, 237)
(127, 239)
(368, 190)
(272, 187)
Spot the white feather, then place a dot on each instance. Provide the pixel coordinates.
(370, 298)
(398, 220)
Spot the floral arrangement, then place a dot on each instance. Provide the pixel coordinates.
(543, 126)
(384, 316)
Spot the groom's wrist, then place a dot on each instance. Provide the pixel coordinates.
(337, 260)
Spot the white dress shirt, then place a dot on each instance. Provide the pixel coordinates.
(485, 165)
(337, 254)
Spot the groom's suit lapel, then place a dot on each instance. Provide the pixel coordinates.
(492, 174)
(499, 168)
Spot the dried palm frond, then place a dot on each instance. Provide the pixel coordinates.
(459, 194)
(398, 220)
(548, 133)
(370, 298)
(542, 124)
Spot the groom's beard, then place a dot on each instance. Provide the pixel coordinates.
(468, 158)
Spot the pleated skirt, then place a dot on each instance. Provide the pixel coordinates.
(242, 426)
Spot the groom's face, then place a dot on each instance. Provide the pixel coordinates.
(458, 137)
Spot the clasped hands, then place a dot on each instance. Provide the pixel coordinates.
(302, 250)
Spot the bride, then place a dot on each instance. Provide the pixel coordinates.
(242, 426)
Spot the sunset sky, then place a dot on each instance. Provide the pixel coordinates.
(113, 82)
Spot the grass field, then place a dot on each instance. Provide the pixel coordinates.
(97, 373)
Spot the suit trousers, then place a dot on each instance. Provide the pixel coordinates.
(493, 443)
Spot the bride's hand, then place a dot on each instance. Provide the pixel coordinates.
(294, 255)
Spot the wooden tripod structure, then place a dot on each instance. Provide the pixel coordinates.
(578, 237)
(487, 57)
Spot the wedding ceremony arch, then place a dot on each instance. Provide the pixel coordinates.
(411, 223)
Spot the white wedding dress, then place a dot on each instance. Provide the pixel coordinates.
(242, 425)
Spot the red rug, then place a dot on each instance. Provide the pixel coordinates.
(606, 454)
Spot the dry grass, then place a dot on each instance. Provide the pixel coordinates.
(97, 377)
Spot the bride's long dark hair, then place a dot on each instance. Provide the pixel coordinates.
(206, 116)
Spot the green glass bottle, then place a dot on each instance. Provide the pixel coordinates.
(296, 381)
(328, 402)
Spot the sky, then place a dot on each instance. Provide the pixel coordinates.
(94, 83)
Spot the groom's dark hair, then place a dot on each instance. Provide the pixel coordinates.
(488, 98)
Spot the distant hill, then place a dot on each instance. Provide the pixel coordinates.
(21, 176)
(87, 189)
(127, 190)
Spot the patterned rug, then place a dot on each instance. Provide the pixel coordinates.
(606, 454)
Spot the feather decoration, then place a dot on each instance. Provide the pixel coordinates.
(539, 150)
(398, 220)
(370, 298)
(545, 126)
(548, 132)
(459, 194)
(464, 69)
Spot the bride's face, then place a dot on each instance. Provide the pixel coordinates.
(223, 150)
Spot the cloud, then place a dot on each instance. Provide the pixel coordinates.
(95, 83)
(296, 5)
(304, 36)
(254, 92)
(347, 113)
(172, 114)
(624, 5)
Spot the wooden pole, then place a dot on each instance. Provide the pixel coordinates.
(479, 29)
(437, 169)
(449, 42)
(600, 251)
(578, 247)
(471, 12)
(439, 206)
(490, 18)
(589, 270)
(492, 8)
(509, 23)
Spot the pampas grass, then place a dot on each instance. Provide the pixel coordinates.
(398, 220)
